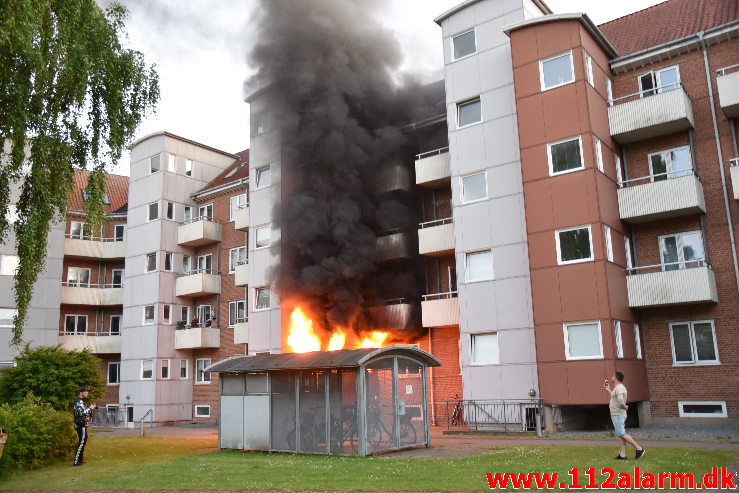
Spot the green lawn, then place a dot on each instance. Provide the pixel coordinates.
(152, 463)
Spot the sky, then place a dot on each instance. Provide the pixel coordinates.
(199, 48)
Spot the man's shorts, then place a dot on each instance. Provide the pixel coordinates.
(619, 423)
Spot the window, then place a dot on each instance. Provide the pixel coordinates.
(168, 261)
(184, 367)
(170, 163)
(264, 177)
(12, 215)
(671, 163)
(151, 262)
(114, 373)
(627, 249)
(617, 336)
(165, 369)
(9, 265)
(200, 376)
(6, 317)
(86, 196)
(187, 214)
(205, 263)
(693, 343)
(583, 340)
(76, 229)
(598, 149)
(637, 341)
(474, 187)
(185, 314)
(574, 245)
(202, 411)
(153, 211)
(262, 236)
(120, 232)
(205, 212)
(608, 242)
(75, 324)
(484, 349)
(188, 167)
(463, 45)
(589, 69)
(147, 369)
(149, 314)
(663, 80)
(236, 256)
(609, 91)
(565, 156)
(186, 264)
(702, 409)
(262, 122)
(236, 312)
(78, 276)
(619, 171)
(236, 203)
(115, 325)
(556, 71)
(469, 113)
(261, 298)
(203, 312)
(479, 266)
(167, 309)
(154, 162)
(681, 250)
(170, 210)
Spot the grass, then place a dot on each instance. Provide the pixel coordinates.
(155, 463)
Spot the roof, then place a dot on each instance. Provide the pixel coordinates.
(667, 21)
(539, 3)
(343, 358)
(240, 169)
(180, 138)
(116, 188)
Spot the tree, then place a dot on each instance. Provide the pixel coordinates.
(52, 374)
(71, 97)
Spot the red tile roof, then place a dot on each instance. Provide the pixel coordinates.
(116, 187)
(240, 167)
(667, 21)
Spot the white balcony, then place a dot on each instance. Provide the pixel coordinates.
(642, 118)
(198, 283)
(394, 246)
(692, 283)
(199, 232)
(735, 177)
(92, 294)
(395, 314)
(440, 310)
(96, 344)
(241, 332)
(728, 90)
(393, 178)
(98, 248)
(433, 168)
(650, 201)
(241, 275)
(197, 337)
(436, 237)
(241, 221)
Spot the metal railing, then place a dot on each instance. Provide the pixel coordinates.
(79, 284)
(669, 175)
(684, 264)
(83, 236)
(198, 218)
(440, 296)
(435, 152)
(394, 301)
(647, 93)
(731, 68)
(196, 271)
(208, 325)
(435, 222)
(93, 333)
(495, 415)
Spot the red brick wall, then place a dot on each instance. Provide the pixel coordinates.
(445, 381)
(110, 394)
(437, 274)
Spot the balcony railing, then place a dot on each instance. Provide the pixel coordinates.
(495, 415)
(646, 199)
(440, 309)
(79, 284)
(671, 283)
(436, 237)
(433, 167)
(80, 245)
(734, 170)
(727, 80)
(79, 293)
(198, 231)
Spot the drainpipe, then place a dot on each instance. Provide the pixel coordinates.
(720, 157)
(431, 383)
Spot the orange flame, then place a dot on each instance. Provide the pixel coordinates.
(375, 339)
(302, 338)
(337, 340)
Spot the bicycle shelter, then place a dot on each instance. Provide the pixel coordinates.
(345, 402)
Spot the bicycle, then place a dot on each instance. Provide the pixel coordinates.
(458, 414)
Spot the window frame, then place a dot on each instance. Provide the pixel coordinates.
(618, 338)
(141, 373)
(146, 262)
(232, 323)
(550, 161)
(451, 44)
(682, 263)
(231, 210)
(186, 368)
(169, 211)
(608, 242)
(118, 374)
(541, 70)
(209, 212)
(77, 317)
(77, 282)
(683, 414)
(588, 66)
(162, 367)
(657, 89)
(2, 264)
(468, 102)
(467, 265)
(12, 312)
(207, 258)
(463, 201)
(149, 219)
(565, 327)
(627, 250)
(232, 265)
(112, 278)
(168, 259)
(258, 174)
(154, 312)
(559, 250)
(159, 164)
(693, 348)
(268, 228)
(110, 324)
(256, 297)
(77, 236)
(189, 166)
(472, 349)
(598, 153)
(200, 312)
(637, 341)
(195, 410)
(166, 318)
(198, 372)
(668, 163)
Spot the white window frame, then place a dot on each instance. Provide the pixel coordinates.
(637, 341)
(77, 271)
(484, 173)
(559, 251)
(153, 366)
(76, 324)
(683, 414)
(239, 205)
(168, 366)
(201, 406)
(169, 211)
(143, 316)
(146, 262)
(8, 314)
(566, 325)
(256, 296)
(496, 361)
(187, 214)
(608, 240)
(451, 45)
(232, 265)
(267, 227)
(81, 234)
(619, 170)
(166, 319)
(627, 249)
(168, 258)
(257, 173)
(618, 337)
(693, 350)
(668, 161)
(466, 102)
(656, 80)
(541, 71)
(110, 324)
(205, 259)
(198, 380)
(187, 369)
(189, 166)
(148, 212)
(171, 164)
(609, 91)
(551, 162)
(112, 277)
(186, 264)
(679, 244)
(232, 323)
(205, 212)
(118, 374)
(598, 151)
(159, 164)
(467, 266)
(588, 63)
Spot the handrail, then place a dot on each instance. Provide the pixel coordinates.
(700, 262)
(94, 333)
(201, 325)
(82, 236)
(436, 222)
(722, 71)
(394, 301)
(192, 272)
(440, 296)
(198, 218)
(655, 90)
(682, 172)
(440, 150)
(78, 284)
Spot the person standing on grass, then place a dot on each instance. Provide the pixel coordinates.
(618, 409)
(82, 417)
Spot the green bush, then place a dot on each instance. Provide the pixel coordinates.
(37, 434)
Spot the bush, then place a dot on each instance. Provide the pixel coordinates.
(37, 434)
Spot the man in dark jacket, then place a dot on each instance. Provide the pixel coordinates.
(82, 417)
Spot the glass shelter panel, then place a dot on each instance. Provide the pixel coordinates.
(312, 403)
(283, 418)
(342, 393)
(411, 422)
(381, 433)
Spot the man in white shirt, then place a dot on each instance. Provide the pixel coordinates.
(618, 409)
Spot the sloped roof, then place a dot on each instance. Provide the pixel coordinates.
(667, 21)
(116, 187)
(241, 167)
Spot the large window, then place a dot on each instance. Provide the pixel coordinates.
(681, 250)
(114, 373)
(565, 156)
(147, 369)
(117, 277)
(154, 164)
(204, 314)
(205, 212)
(474, 187)
(151, 262)
(663, 80)
(78, 276)
(236, 256)
(574, 245)
(153, 211)
(75, 324)
(583, 340)
(469, 113)
(671, 163)
(236, 312)
(200, 376)
(556, 71)
(484, 349)
(262, 236)
(76, 229)
(9, 265)
(479, 266)
(205, 263)
(464, 44)
(261, 298)
(115, 325)
(236, 203)
(149, 314)
(264, 177)
(693, 343)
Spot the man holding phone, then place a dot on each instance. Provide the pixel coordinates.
(618, 409)
(82, 418)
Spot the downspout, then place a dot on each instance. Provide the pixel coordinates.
(431, 383)
(720, 158)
